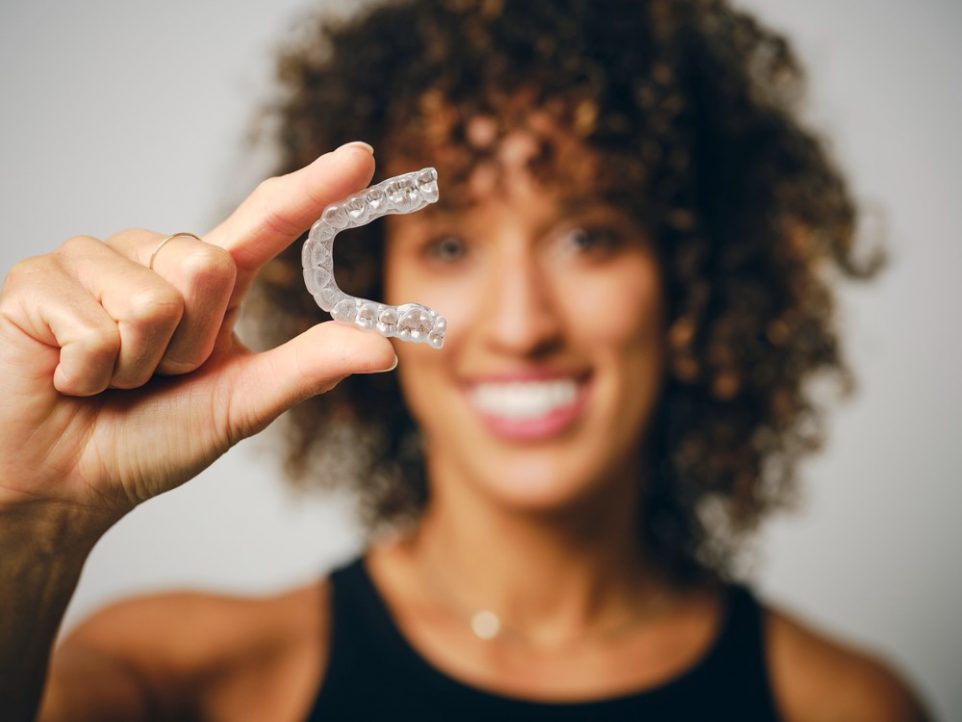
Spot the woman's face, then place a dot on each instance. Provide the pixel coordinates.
(555, 345)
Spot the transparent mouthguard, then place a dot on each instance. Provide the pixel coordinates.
(405, 193)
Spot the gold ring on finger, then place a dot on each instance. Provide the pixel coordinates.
(150, 263)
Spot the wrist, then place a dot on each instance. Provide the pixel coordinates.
(43, 548)
(50, 529)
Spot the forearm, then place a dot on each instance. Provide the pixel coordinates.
(41, 555)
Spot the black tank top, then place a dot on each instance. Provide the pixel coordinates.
(373, 673)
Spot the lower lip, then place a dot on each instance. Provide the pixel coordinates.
(540, 428)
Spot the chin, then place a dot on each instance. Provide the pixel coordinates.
(536, 483)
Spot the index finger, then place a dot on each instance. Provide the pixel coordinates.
(281, 208)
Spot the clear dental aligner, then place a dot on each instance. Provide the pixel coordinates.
(405, 193)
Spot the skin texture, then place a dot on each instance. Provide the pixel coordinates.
(526, 288)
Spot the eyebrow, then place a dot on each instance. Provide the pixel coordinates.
(575, 203)
(567, 205)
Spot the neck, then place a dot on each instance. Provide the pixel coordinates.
(555, 574)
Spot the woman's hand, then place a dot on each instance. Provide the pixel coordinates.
(119, 381)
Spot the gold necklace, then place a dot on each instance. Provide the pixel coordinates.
(487, 625)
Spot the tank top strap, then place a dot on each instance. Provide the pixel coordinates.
(735, 668)
(353, 641)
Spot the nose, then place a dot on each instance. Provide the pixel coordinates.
(521, 313)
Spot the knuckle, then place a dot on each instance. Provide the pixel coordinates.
(155, 305)
(78, 245)
(100, 343)
(268, 188)
(208, 263)
(263, 198)
(129, 237)
(24, 269)
(27, 274)
(134, 232)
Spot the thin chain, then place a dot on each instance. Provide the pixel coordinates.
(488, 625)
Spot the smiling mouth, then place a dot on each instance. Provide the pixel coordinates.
(529, 409)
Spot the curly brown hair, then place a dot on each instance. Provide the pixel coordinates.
(692, 108)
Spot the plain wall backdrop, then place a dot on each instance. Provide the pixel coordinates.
(118, 113)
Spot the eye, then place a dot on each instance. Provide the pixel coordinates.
(592, 240)
(446, 248)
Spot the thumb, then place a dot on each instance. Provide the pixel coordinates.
(264, 385)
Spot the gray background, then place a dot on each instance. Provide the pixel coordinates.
(118, 113)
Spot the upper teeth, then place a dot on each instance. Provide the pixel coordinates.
(524, 399)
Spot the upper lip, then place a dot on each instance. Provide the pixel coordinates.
(532, 374)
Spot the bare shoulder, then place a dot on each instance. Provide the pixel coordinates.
(816, 677)
(192, 654)
(194, 626)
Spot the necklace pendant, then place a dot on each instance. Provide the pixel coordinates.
(485, 624)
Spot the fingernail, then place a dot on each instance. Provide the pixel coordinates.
(358, 144)
(385, 370)
(382, 370)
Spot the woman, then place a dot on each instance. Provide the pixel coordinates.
(630, 250)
